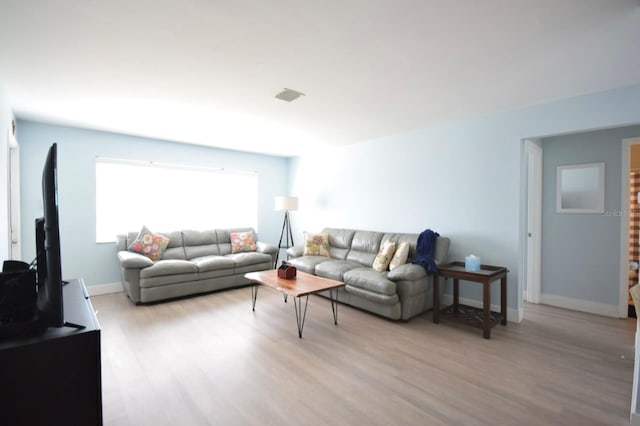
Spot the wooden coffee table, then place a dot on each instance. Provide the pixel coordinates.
(303, 285)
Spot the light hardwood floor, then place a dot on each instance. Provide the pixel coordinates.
(210, 360)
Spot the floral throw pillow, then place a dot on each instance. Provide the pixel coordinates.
(149, 244)
(316, 244)
(400, 256)
(242, 241)
(381, 262)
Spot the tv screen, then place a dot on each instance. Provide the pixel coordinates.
(49, 269)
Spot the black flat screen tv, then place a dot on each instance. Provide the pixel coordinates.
(49, 264)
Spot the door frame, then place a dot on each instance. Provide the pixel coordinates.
(530, 148)
(13, 161)
(623, 311)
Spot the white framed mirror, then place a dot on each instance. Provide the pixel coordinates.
(580, 188)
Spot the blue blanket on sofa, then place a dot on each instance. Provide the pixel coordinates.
(425, 251)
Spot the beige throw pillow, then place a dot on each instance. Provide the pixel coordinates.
(316, 244)
(400, 256)
(381, 262)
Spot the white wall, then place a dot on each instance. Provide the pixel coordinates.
(77, 150)
(5, 125)
(462, 180)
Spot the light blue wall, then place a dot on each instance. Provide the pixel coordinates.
(581, 252)
(5, 125)
(462, 180)
(77, 150)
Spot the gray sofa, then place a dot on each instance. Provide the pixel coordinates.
(193, 262)
(400, 294)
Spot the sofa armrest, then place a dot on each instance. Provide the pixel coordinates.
(133, 260)
(266, 248)
(295, 251)
(407, 272)
(130, 266)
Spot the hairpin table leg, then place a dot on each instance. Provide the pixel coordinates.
(254, 295)
(300, 314)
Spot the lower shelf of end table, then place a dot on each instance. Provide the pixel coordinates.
(470, 315)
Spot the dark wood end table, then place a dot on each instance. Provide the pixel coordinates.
(483, 318)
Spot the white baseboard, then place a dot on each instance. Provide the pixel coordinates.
(97, 290)
(513, 315)
(581, 305)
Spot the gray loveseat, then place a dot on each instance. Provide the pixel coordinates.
(402, 293)
(193, 262)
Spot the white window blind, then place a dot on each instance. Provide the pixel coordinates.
(167, 197)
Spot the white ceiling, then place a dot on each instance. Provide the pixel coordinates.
(207, 71)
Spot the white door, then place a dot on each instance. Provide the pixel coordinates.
(534, 222)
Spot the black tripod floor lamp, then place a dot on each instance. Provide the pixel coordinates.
(285, 204)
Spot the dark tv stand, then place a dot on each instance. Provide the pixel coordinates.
(54, 376)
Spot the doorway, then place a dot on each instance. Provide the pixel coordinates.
(565, 239)
(631, 220)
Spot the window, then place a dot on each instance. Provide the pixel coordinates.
(166, 197)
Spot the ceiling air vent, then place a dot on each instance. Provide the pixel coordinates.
(289, 95)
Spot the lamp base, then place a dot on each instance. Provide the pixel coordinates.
(286, 235)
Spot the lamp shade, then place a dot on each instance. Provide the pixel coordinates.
(286, 203)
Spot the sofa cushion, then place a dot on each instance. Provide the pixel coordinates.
(210, 263)
(383, 299)
(364, 247)
(316, 244)
(200, 243)
(339, 242)
(166, 280)
(307, 263)
(248, 258)
(370, 280)
(242, 242)
(169, 267)
(149, 244)
(175, 249)
(193, 252)
(383, 258)
(335, 269)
